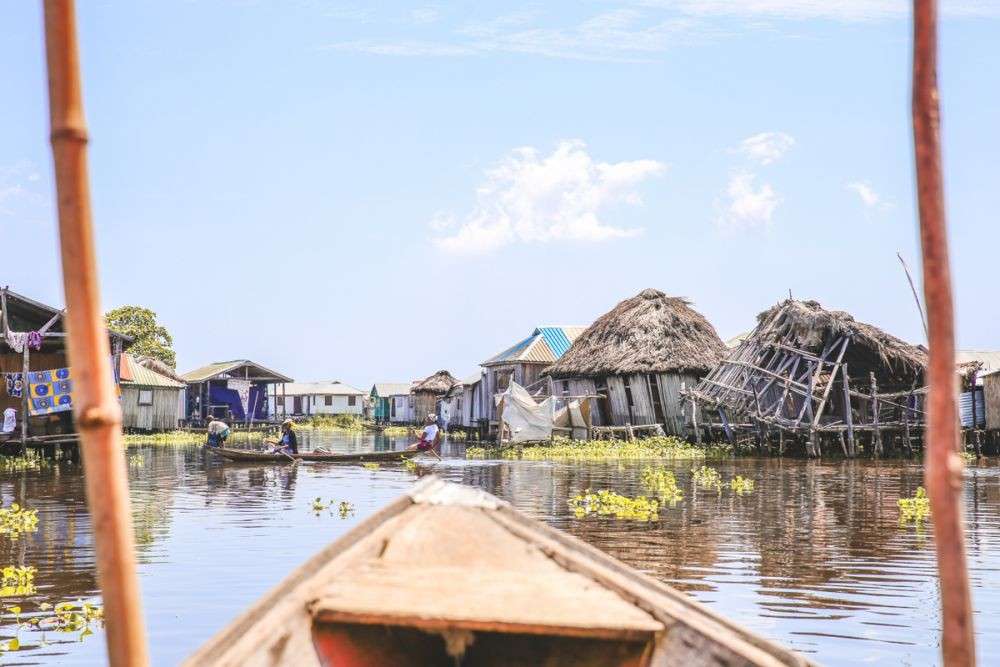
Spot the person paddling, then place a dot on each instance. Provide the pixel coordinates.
(218, 431)
(288, 444)
(429, 437)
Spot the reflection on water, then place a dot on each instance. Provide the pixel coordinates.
(814, 557)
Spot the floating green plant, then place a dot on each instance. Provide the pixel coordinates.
(708, 479)
(17, 581)
(915, 509)
(411, 466)
(370, 466)
(136, 460)
(741, 485)
(609, 503)
(318, 505)
(477, 452)
(22, 463)
(661, 483)
(345, 509)
(15, 520)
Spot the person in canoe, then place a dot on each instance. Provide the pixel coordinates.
(218, 431)
(287, 443)
(429, 437)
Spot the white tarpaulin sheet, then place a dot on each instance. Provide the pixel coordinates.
(242, 388)
(525, 419)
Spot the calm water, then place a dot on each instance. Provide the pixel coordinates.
(814, 558)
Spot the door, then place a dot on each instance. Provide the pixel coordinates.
(297, 405)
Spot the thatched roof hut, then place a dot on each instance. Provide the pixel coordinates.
(809, 326)
(439, 383)
(648, 333)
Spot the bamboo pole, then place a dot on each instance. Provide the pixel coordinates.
(943, 467)
(96, 408)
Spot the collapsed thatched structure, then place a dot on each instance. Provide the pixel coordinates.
(428, 391)
(817, 374)
(637, 357)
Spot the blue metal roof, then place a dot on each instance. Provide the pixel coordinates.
(545, 345)
(556, 338)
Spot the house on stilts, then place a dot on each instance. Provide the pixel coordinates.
(391, 402)
(635, 359)
(153, 396)
(238, 390)
(429, 391)
(820, 378)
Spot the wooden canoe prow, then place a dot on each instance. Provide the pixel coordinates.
(450, 571)
(250, 456)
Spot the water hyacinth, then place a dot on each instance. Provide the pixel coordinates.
(609, 503)
(17, 581)
(370, 466)
(916, 509)
(708, 479)
(478, 452)
(661, 483)
(411, 466)
(22, 463)
(741, 485)
(15, 520)
(563, 449)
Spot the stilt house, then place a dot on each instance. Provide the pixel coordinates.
(636, 358)
(391, 402)
(153, 396)
(429, 391)
(240, 390)
(819, 377)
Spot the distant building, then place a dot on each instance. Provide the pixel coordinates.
(215, 391)
(318, 398)
(153, 396)
(428, 392)
(391, 402)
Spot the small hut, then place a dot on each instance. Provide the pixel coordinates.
(636, 358)
(239, 390)
(818, 376)
(152, 395)
(429, 391)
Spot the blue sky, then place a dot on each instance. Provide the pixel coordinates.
(340, 191)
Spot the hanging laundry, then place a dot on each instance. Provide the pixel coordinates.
(16, 340)
(50, 391)
(9, 420)
(15, 384)
(34, 340)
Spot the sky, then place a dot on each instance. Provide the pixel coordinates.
(344, 191)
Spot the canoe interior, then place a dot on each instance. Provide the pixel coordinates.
(251, 456)
(356, 645)
(450, 575)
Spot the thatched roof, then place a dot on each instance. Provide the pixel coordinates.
(439, 383)
(649, 333)
(811, 326)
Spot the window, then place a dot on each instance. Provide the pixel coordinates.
(145, 397)
(392, 408)
(328, 400)
(565, 387)
(351, 401)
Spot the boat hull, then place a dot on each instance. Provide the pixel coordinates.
(247, 456)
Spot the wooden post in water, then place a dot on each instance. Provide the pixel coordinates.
(96, 408)
(943, 466)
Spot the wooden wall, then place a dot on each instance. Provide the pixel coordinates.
(991, 392)
(160, 416)
(641, 410)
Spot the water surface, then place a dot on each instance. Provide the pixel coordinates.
(814, 558)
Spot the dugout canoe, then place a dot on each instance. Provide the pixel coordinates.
(250, 456)
(450, 575)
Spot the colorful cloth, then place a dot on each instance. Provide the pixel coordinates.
(34, 340)
(16, 340)
(15, 384)
(50, 391)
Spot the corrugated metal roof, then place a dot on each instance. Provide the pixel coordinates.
(333, 388)
(384, 389)
(212, 370)
(545, 345)
(132, 373)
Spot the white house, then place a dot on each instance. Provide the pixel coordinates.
(318, 398)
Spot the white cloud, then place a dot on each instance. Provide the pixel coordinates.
(18, 192)
(745, 205)
(425, 15)
(848, 11)
(531, 198)
(766, 147)
(866, 193)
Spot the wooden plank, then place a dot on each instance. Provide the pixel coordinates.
(848, 417)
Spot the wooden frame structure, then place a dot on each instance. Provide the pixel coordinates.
(817, 376)
(20, 314)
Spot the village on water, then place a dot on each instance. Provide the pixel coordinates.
(621, 333)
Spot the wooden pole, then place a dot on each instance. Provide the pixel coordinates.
(96, 408)
(943, 466)
(848, 417)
